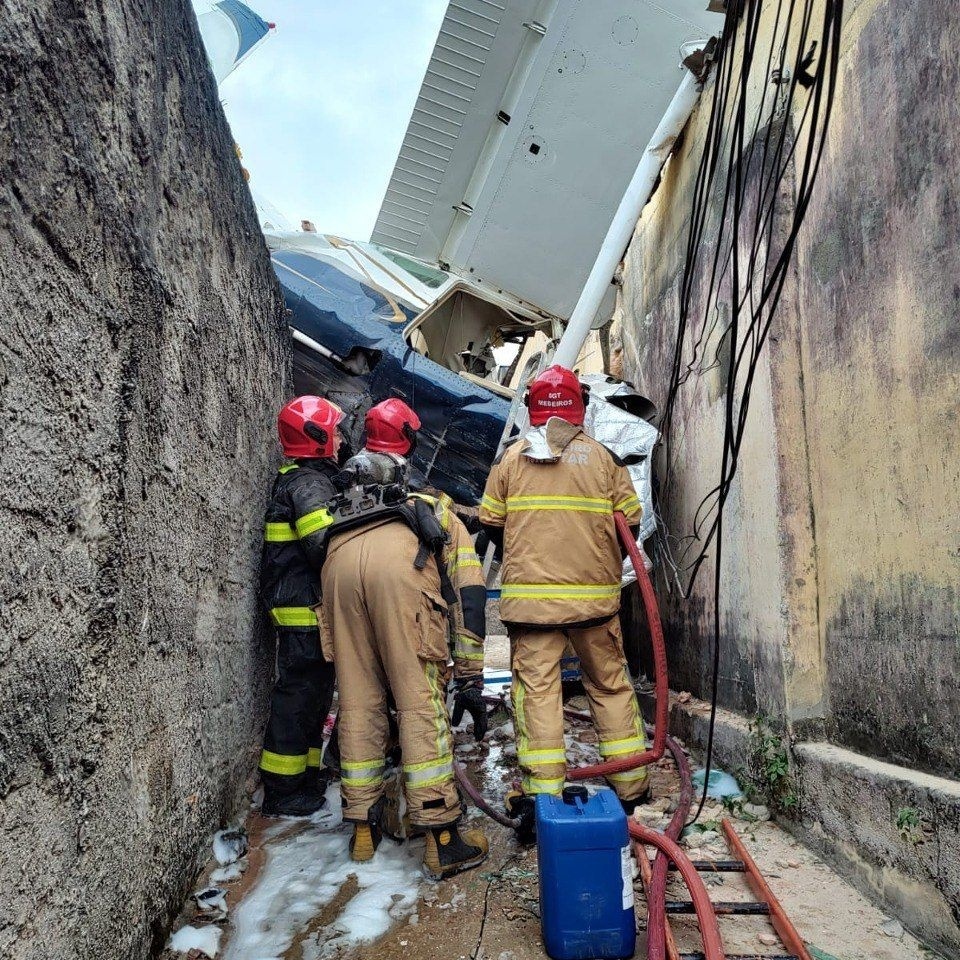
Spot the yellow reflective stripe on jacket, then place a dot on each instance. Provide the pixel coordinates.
(294, 616)
(283, 764)
(559, 591)
(495, 506)
(438, 701)
(287, 467)
(354, 765)
(621, 748)
(355, 780)
(361, 773)
(579, 504)
(441, 506)
(625, 506)
(429, 773)
(541, 757)
(466, 648)
(313, 757)
(465, 557)
(444, 513)
(542, 784)
(518, 694)
(314, 521)
(278, 532)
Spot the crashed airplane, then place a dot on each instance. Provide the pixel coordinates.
(513, 198)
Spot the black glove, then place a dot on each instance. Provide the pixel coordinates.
(468, 698)
(523, 808)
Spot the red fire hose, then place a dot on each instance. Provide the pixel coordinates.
(709, 928)
(660, 664)
(474, 794)
(657, 893)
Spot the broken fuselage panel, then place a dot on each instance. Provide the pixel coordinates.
(368, 324)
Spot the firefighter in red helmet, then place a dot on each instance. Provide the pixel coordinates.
(390, 616)
(391, 427)
(549, 504)
(290, 586)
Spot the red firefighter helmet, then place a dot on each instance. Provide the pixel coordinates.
(557, 393)
(391, 427)
(307, 427)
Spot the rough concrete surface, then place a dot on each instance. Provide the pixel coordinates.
(142, 357)
(897, 832)
(879, 293)
(892, 831)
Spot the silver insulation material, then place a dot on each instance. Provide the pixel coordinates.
(632, 439)
(367, 467)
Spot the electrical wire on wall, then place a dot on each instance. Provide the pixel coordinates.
(764, 142)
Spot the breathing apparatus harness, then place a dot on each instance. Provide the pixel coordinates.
(375, 486)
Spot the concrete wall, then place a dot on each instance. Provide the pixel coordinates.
(142, 357)
(880, 292)
(840, 610)
(840, 543)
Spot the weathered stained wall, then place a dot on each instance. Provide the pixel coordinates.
(880, 293)
(141, 361)
(766, 607)
(840, 608)
(840, 541)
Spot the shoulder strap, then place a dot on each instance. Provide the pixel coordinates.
(419, 514)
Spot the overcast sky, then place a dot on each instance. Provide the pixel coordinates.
(320, 109)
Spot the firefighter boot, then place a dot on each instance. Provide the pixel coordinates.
(449, 851)
(523, 808)
(367, 836)
(630, 805)
(299, 803)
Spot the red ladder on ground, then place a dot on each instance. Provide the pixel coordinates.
(766, 903)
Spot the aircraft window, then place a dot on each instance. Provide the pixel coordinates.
(427, 275)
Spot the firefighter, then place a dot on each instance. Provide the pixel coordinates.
(549, 505)
(387, 595)
(391, 427)
(290, 583)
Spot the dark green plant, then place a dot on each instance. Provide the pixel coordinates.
(909, 824)
(770, 775)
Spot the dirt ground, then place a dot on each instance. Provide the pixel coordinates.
(492, 913)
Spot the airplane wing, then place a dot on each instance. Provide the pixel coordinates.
(230, 32)
(526, 132)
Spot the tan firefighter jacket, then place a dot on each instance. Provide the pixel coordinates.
(468, 615)
(561, 557)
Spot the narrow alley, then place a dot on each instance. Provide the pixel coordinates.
(479, 480)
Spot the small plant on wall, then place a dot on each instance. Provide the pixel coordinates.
(769, 775)
(911, 826)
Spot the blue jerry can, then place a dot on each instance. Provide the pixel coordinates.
(586, 880)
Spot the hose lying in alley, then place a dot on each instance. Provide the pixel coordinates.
(474, 794)
(709, 928)
(657, 894)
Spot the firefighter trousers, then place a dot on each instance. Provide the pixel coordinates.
(535, 654)
(388, 627)
(300, 702)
